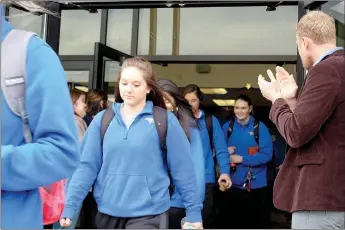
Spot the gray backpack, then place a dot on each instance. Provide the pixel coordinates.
(13, 74)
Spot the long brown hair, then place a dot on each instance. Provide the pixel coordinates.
(93, 101)
(155, 95)
(184, 112)
(75, 95)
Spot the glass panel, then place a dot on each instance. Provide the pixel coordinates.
(79, 32)
(164, 34)
(111, 72)
(217, 75)
(336, 10)
(119, 31)
(164, 31)
(78, 79)
(238, 31)
(144, 32)
(25, 20)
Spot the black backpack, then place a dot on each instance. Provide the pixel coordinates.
(255, 129)
(160, 118)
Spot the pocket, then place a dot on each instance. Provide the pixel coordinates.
(126, 192)
(310, 159)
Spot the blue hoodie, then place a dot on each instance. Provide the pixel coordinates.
(131, 178)
(220, 147)
(242, 138)
(199, 164)
(53, 154)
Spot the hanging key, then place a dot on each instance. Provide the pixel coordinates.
(248, 180)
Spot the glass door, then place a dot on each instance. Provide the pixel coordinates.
(106, 67)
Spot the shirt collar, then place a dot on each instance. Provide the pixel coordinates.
(329, 52)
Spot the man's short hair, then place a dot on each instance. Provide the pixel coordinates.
(317, 26)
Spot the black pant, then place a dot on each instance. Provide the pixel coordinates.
(104, 221)
(88, 212)
(208, 211)
(241, 209)
(175, 217)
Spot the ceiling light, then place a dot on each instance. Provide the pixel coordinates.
(213, 90)
(82, 88)
(220, 102)
(111, 98)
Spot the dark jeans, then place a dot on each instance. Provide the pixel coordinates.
(104, 221)
(88, 212)
(175, 217)
(240, 209)
(208, 211)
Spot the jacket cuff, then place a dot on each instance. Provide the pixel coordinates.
(193, 216)
(225, 170)
(68, 212)
(274, 109)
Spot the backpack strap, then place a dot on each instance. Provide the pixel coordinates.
(256, 130)
(209, 126)
(107, 118)
(231, 128)
(13, 74)
(160, 116)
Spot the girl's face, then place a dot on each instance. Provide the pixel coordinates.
(133, 87)
(242, 110)
(79, 106)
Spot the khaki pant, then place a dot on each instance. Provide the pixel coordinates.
(318, 220)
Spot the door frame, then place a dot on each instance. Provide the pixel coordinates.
(102, 54)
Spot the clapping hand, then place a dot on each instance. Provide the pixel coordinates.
(282, 85)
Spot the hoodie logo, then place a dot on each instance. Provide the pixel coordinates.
(251, 133)
(149, 120)
(14, 81)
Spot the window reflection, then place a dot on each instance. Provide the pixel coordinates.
(78, 79)
(164, 34)
(79, 32)
(238, 31)
(119, 32)
(336, 10)
(25, 20)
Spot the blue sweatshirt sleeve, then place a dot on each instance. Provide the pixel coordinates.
(54, 152)
(219, 143)
(265, 149)
(198, 159)
(182, 169)
(87, 172)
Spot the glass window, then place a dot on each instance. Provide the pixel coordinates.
(336, 10)
(119, 33)
(164, 35)
(111, 73)
(238, 31)
(25, 20)
(217, 75)
(78, 79)
(79, 32)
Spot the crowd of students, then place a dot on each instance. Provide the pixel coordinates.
(154, 158)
